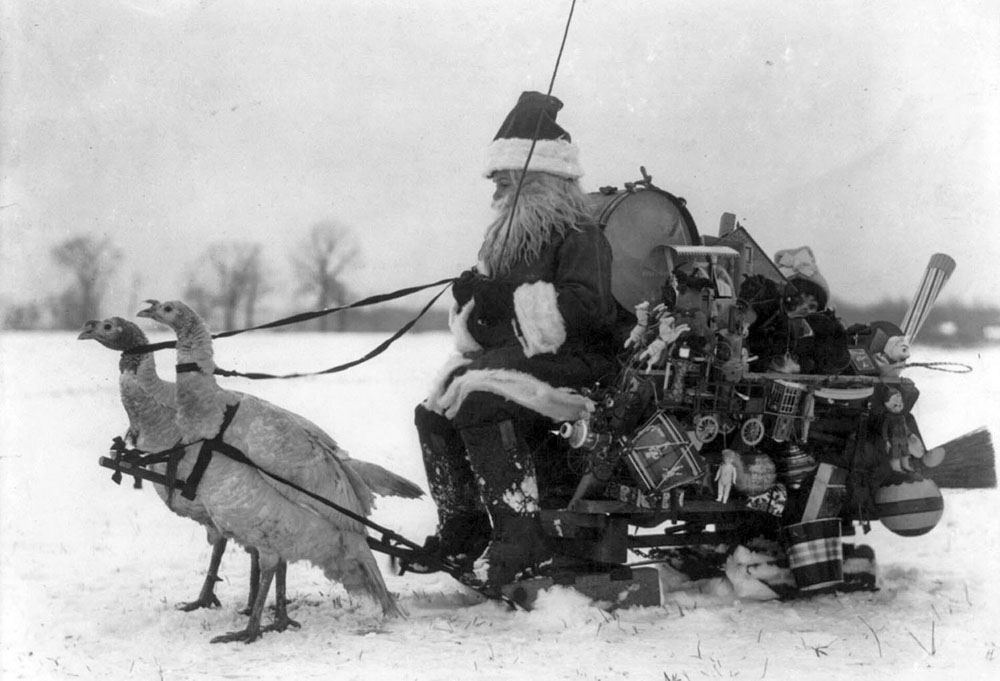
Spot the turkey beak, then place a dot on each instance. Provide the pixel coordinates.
(149, 311)
(88, 330)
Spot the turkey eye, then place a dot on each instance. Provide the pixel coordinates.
(167, 308)
(107, 327)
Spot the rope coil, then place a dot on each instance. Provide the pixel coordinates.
(959, 368)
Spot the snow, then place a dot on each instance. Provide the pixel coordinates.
(90, 572)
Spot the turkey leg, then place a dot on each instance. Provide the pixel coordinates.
(207, 598)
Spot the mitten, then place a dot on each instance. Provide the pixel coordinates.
(494, 300)
(464, 287)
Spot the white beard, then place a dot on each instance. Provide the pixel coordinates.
(542, 212)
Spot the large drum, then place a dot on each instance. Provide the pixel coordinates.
(640, 222)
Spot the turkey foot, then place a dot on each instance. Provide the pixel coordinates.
(206, 598)
(248, 635)
(282, 623)
(253, 630)
(281, 619)
(211, 601)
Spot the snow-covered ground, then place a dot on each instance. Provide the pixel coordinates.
(90, 572)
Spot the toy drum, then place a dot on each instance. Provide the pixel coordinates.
(815, 554)
(785, 400)
(661, 455)
(640, 222)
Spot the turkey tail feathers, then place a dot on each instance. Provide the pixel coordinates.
(376, 587)
(384, 482)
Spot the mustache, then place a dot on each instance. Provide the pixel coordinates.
(502, 205)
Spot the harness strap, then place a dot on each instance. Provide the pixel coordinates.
(136, 458)
(391, 543)
(171, 476)
(188, 368)
(297, 318)
(208, 447)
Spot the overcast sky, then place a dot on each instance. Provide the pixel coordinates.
(867, 130)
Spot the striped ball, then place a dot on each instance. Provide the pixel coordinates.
(910, 508)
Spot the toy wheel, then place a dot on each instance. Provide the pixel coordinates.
(706, 427)
(752, 431)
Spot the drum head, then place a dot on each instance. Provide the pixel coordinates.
(640, 225)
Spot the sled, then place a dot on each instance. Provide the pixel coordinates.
(635, 480)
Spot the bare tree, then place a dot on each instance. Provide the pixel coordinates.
(91, 262)
(319, 262)
(227, 278)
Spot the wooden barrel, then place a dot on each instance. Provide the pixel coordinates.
(815, 554)
(910, 508)
(640, 223)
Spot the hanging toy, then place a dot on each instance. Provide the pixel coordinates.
(900, 443)
(910, 508)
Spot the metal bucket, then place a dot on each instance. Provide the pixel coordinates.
(815, 554)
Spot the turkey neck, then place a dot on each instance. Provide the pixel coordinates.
(139, 369)
(149, 382)
(196, 389)
(129, 363)
(133, 337)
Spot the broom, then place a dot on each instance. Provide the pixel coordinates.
(968, 462)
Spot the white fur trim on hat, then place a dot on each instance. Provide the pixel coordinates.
(557, 157)
(541, 327)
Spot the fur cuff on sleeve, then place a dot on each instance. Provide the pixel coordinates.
(558, 404)
(458, 322)
(541, 327)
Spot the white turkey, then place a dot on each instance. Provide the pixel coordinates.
(246, 503)
(151, 406)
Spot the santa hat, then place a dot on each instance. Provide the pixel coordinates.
(554, 150)
(798, 265)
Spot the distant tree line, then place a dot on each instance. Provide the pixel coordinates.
(228, 280)
(948, 323)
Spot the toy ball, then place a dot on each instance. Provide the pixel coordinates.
(910, 508)
(757, 475)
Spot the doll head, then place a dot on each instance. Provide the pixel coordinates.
(897, 349)
(894, 401)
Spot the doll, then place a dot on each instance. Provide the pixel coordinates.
(896, 433)
(725, 477)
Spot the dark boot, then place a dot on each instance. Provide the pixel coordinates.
(463, 525)
(505, 469)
